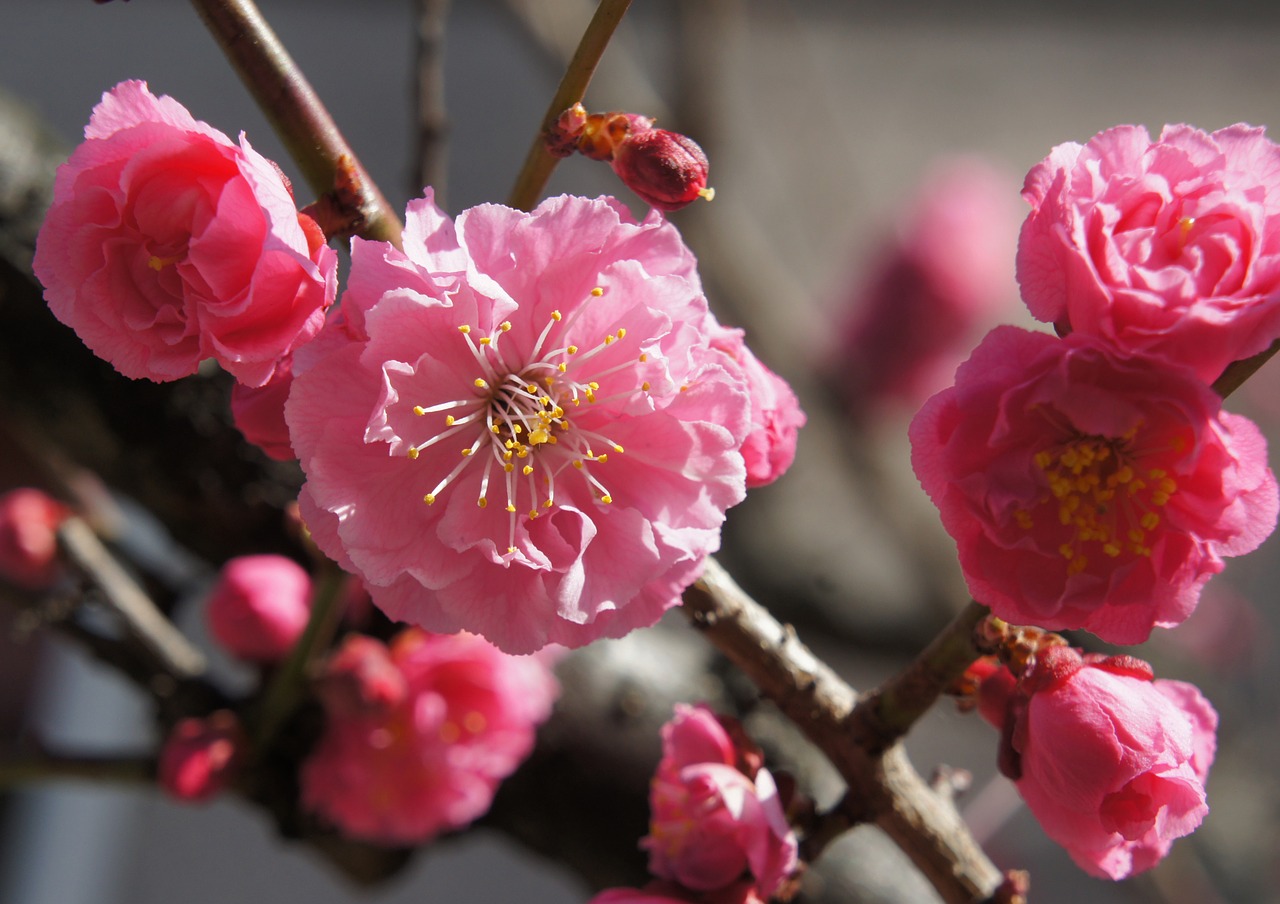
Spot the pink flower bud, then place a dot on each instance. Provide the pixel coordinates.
(29, 538)
(1111, 762)
(361, 679)
(200, 757)
(663, 892)
(666, 169)
(258, 412)
(710, 822)
(259, 607)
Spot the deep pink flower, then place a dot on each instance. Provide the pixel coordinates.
(201, 756)
(1089, 490)
(519, 427)
(1111, 763)
(259, 607)
(776, 418)
(425, 757)
(167, 244)
(933, 287)
(258, 412)
(710, 821)
(1169, 247)
(29, 522)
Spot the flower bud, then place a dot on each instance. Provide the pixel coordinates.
(29, 538)
(259, 607)
(666, 169)
(201, 756)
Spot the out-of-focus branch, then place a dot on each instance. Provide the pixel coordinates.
(1238, 371)
(892, 794)
(349, 203)
(539, 163)
(433, 124)
(22, 771)
(166, 645)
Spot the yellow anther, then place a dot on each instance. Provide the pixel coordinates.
(644, 387)
(508, 467)
(562, 367)
(517, 429)
(644, 358)
(547, 504)
(617, 448)
(1150, 521)
(1111, 550)
(448, 420)
(1043, 460)
(597, 291)
(412, 453)
(429, 499)
(1067, 551)
(603, 458)
(555, 315)
(482, 502)
(481, 384)
(606, 499)
(419, 410)
(464, 329)
(466, 452)
(539, 436)
(608, 340)
(511, 508)
(527, 470)
(622, 332)
(577, 463)
(571, 350)
(486, 340)
(505, 326)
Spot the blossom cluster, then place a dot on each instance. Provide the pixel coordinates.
(1095, 482)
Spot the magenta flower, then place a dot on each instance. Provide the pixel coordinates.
(519, 427)
(29, 521)
(401, 762)
(1111, 763)
(258, 412)
(1169, 247)
(167, 244)
(711, 822)
(663, 892)
(1089, 490)
(202, 756)
(259, 607)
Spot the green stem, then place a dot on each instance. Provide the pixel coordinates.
(288, 683)
(539, 163)
(1239, 371)
(354, 203)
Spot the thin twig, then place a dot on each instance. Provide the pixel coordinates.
(539, 163)
(22, 771)
(143, 620)
(1237, 372)
(923, 823)
(433, 123)
(348, 200)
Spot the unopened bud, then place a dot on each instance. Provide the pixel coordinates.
(666, 169)
(201, 756)
(28, 538)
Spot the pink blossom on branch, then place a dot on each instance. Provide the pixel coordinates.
(1170, 247)
(258, 412)
(519, 427)
(1086, 489)
(419, 735)
(259, 607)
(662, 892)
(715, 813)
(167, 244)
(202, 756)
(1110, 762)
(29, 522)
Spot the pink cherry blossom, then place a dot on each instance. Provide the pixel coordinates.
(518, 426)
(402, 761)
(259, 607)
(933, 287)
(710, 821)
(1111, 763)
(201, 756)
(1169, 247)
(1086, 489)
(776, 418)
(167, 244)
(29, 522)
(258, 412)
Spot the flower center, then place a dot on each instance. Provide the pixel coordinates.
(516, 424)
(1103, 496)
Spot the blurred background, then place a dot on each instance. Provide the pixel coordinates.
(822, 121)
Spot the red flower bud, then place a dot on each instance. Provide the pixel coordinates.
(666, 169)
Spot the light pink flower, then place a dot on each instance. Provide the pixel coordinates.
(259, 607)
(518, 427)
(201, 756)
(400, 763)
(1111, 763)
(1089, 490)
(29, 522)
(776, 418)
(258, 412)
(1169, 247)
(710, 821)
(167, 244)
(933, 287)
